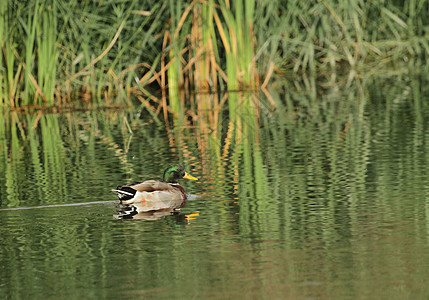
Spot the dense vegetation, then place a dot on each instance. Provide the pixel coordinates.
(57, 51)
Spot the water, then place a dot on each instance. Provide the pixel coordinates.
(327, 202)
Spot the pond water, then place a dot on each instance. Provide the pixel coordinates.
(324, 197)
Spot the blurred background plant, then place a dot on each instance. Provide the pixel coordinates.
(110, 52)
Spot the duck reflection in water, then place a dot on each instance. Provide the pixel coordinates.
(131, 212)
(153, 198)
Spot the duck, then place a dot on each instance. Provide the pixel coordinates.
(151, 195)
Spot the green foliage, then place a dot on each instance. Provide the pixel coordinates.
(57, 51)
(46, 43)
(329, 34)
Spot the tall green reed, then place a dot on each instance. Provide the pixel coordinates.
(3, 79)
(64, 50)
(203, 31)
(60, 50)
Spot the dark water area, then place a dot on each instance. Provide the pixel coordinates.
(325, 197)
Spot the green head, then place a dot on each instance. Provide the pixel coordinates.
(173, 173)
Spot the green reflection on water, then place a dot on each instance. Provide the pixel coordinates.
(324, 196)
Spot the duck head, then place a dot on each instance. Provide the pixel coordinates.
(173, 173)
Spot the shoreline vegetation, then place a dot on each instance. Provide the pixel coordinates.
(54, 53)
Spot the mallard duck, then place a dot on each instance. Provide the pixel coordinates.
(154, 194)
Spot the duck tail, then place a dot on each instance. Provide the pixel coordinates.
(125, 193)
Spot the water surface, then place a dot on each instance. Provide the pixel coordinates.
(325, 198)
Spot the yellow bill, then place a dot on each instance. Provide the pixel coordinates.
(188, 176)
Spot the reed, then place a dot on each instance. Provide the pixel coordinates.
(59, 51)
(3, 39)
(47, 52)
